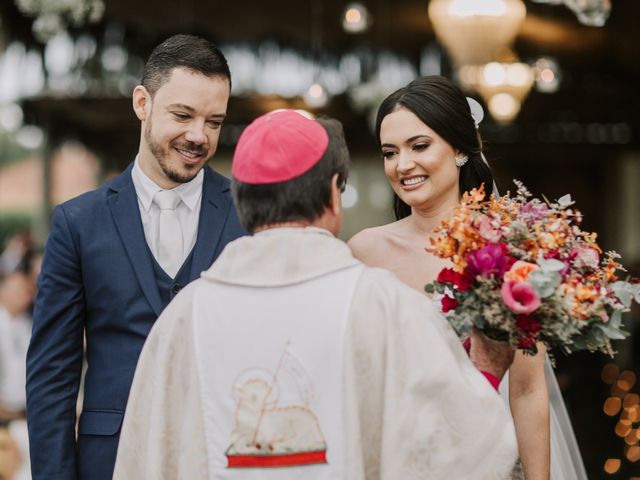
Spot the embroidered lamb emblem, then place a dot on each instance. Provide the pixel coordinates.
(267, 434)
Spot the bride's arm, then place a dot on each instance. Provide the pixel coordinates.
(529, 401)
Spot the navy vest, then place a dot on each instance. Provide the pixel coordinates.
(167, 286)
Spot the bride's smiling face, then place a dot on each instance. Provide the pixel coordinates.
(419, 164)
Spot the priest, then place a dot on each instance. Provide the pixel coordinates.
(289, 359)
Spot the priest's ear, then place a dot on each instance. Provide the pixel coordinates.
(332, 217)
(336, 194)
(141, 102)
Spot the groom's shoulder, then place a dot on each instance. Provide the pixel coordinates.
(90, 206)
(100, 194)
(217, 179)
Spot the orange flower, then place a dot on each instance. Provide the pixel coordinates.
(444, 246)
(520, 271)
(584, 293)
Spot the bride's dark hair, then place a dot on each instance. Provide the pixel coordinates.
(438, 103)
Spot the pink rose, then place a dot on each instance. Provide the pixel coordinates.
(486, 230)
(534, 210)
(585, 257)
(520, 297)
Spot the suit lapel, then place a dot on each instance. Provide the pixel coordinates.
(213, 216)
(123, 204)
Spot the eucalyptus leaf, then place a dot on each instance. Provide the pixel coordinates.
(636, 292)
(615, 320)
(612, 332)
(580, 342)
(544, 283)
(624, 291)
(598, 335)
(565, 201)
(550, 264)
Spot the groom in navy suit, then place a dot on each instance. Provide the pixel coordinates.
(117, 256)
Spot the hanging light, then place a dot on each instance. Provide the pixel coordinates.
(504, 107)
(476, 31)
(355, 18)
(547, 75)
(316, 96)
(503, 85)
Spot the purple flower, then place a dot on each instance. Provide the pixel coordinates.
(533, 211)
(489, 261)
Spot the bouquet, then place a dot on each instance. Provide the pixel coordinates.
(524, 272)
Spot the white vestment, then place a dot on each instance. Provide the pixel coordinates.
(407, 402)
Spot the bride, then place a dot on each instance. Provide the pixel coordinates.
(432, 153)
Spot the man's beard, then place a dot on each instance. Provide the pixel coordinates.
(162, 156)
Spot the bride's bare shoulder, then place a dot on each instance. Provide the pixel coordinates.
(371, 243)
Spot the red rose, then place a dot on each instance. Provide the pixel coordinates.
(449, 304)
(446, 275)
(463, 282)
(552, 253)
(450, 276)
(528, 324)
(526, 343)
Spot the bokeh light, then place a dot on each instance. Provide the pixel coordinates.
(631, 400)
(616, 391)
(631, 438)
(633, 454)
(627, 380)
(623, 428)
(612, 465)
(610, 373)
(612, 406)
(355, 18)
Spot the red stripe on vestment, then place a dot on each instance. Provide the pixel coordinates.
(284, 460)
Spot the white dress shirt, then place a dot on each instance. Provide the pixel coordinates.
(188, 210)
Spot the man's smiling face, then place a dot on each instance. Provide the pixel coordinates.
(182, 126)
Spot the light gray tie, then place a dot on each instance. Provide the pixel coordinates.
(169, 241)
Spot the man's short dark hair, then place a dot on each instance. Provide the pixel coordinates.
(304, 198)
(183, 51)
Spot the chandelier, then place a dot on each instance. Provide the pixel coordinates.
(593, 13)
(502, 85)
(54, 16)
(476, 31)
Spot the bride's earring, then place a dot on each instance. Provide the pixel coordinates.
(461, 160)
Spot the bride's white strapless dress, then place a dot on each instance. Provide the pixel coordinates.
(566, 461)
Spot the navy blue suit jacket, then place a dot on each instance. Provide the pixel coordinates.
(97, 279)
